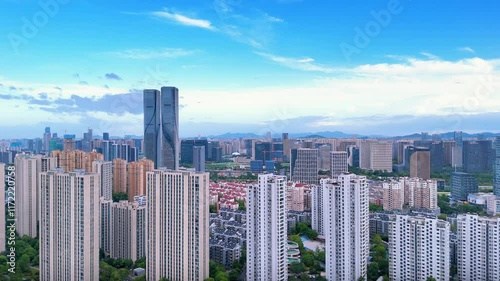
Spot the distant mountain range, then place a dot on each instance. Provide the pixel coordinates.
(342, 135)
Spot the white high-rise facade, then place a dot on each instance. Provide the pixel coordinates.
(317, 209)
(267, 229)
(127, 230)
(376, 155)
(419, 248)
(177, 225)
(69, 226)
(346, 227)
(304, 165)
(478, 248)
(105, 171)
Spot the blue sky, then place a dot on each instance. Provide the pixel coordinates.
(251, 66)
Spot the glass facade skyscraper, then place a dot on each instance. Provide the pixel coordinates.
(161, 123)
(496, 186)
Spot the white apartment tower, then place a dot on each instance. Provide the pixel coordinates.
(419, 248)
(105, 171)
(346, 227)
(69, 226)
(317, 209)
(338, 163)
(478, 247)
(127, 230)
(177, 225)
(267, 229)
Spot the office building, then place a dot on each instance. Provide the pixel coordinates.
(119, 175)
(419, 248)
(462, 184)
(324, 157)
(338, 163)
(161, 127)
(136, 177)
(127, 230)
(46, 139)
(199, 158)
(419, 162)
(393, 196)
(177, 225)
(496, 184)
(105, 171)
(346, 226)
(478, 247)
(353, 156)
(478, 156)
(267, 229)
(375, 155)
(69, 226)
(304, 165)
(262, 150)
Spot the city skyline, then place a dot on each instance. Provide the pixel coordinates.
(351, 85)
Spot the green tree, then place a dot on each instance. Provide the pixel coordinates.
(375, 208)
(140, 263)
(24, 263)
(308, 259)
(222, 276)
(297, 267)
(430, 278)
(118, 196)
(296, 239)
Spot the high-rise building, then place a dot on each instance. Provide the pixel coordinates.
(295, 196)
(127, 230)
(375, 155)
(419, 248)
(105, 171)
(199, 158)
(69, 142)
(2, 209)
(69, 225)
(161, 127)
(419, 193)
(448, 152)
(267, 229)
(46, 139)
(119, 175)
(317, 209)
(419, 162)
(136, 177)
(324, 156)
(261, 150)
(462, 184)
(393, 196)
(496, 184)
(177, 225)
(105, 136)
(478, 247)
(338, 163)
(304, 165)
(27, 192)
(105, 243)
(346, 227)
(76, 159)
(353, 156)
(478, 156)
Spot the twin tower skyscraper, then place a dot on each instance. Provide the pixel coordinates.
(161, 127)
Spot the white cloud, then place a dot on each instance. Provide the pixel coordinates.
(184, 20)
(152, 54)
(273, 19)
(430, 56)
(467, 49)
(304, 64)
